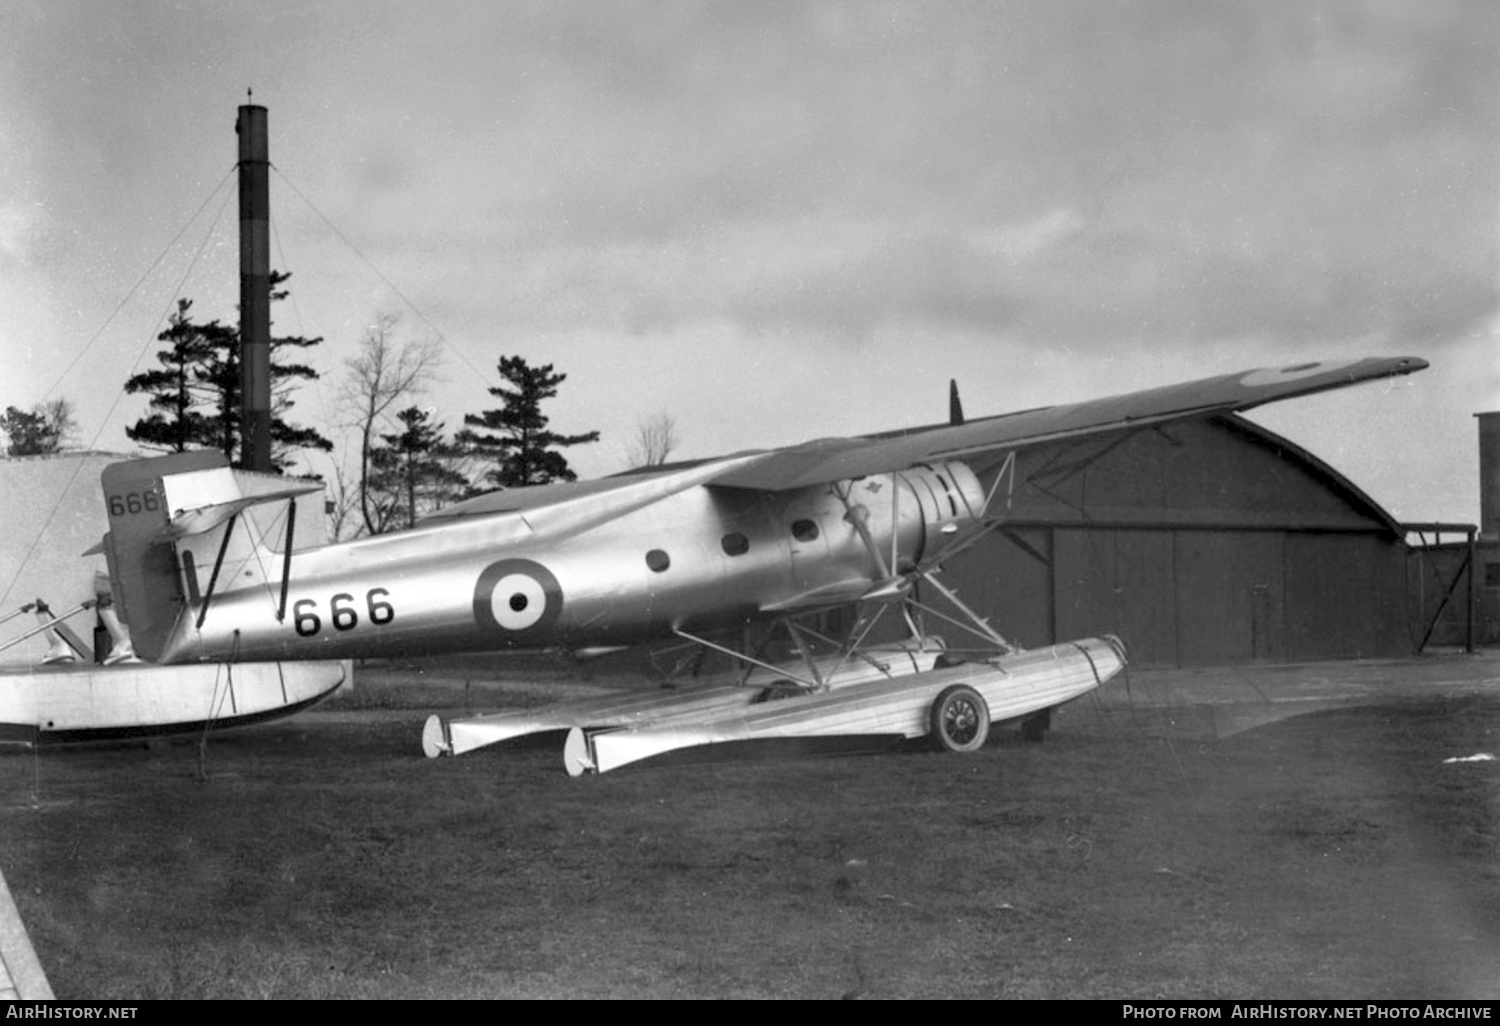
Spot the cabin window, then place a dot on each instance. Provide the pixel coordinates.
(805, 530)
(735, 544)
(658, 560)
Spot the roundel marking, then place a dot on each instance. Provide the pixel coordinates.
(1281, 375)
(517, 601)
(517, 598)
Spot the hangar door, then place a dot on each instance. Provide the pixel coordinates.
(1176, 597)
(1342, 600)
(1007, 578)
(1118, 581)
(1232, 598)
(1191, 597)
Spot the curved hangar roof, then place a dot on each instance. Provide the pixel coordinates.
(1221, 471)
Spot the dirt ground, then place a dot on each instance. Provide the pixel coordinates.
(1277, 833)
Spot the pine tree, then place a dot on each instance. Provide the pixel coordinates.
(411, 474)
(195, 395)
(515, 437)
(286, 437)
(182, 387)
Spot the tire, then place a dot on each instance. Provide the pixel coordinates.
(960, 719)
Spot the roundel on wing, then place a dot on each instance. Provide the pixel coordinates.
(518, 599)
(1281, 375)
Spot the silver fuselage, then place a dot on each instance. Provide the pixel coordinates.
(608, 567)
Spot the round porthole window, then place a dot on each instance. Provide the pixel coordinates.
(658, 560)
(805, 530)
(735, 544)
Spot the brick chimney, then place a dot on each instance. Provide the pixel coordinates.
(1489, 476)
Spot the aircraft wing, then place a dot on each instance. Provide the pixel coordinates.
(841, 458)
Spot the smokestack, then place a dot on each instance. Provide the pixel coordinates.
(1489, 476)
(255, 290)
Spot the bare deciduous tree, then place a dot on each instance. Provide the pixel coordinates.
(341, 501)
(383, 379)
(655, 438)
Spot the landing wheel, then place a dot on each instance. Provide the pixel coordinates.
(960, 719)
(1034, 728)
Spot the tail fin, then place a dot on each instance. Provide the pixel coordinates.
(142, 560)
(172, 529)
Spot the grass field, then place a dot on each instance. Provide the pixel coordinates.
(1328, 855)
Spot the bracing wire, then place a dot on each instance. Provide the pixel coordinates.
(292, 296)
(380, 274)
(216, 704)
(141, 281)
(167, 312)
(78, 468)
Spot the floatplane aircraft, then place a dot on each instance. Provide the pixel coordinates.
(69, 698)
(687, 552)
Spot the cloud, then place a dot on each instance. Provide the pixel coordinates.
(890, 184)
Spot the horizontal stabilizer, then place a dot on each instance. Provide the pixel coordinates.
(205, 518)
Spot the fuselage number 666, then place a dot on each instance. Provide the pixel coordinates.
(342, 612)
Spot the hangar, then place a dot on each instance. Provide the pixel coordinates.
(1208, 542)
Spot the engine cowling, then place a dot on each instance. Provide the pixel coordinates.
(951, 500)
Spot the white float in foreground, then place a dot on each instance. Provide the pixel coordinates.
(71, 703)
(710, 700)
(1012, 687)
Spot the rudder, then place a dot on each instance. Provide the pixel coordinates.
(142, 560)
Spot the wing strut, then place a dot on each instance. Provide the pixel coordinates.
(1008, 475)
(40, 607)
(213, 577)
(981, 625)
(286, 559)
(816, 679)
(742, 657)
(857, 515)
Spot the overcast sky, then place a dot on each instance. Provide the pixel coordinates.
(779, 221)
